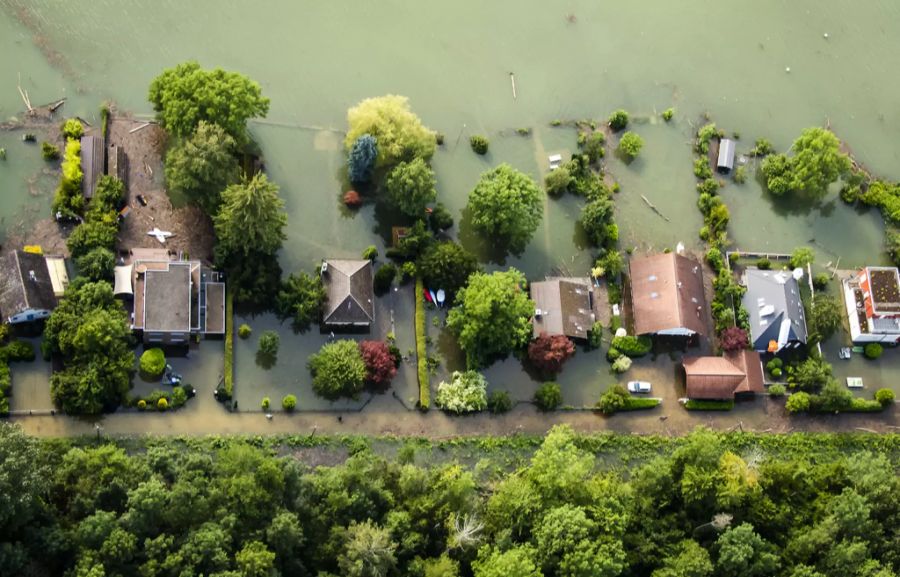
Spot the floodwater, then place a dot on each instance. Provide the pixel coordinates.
(574, 61)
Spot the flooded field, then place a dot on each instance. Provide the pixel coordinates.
(577, 61)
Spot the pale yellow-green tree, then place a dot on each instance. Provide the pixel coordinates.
(399, 133)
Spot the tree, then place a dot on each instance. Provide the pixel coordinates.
(777, 170)
(361, 159)
(559, 532)
(301, 299)
(109, 194)
(506, 207)
(743, 553)
(399, 133)
(369, 551)
(187, 94)
(492, 315)
(24, 480)
(479, 144)
(824, 318)
(202, 165)
(251, 219)
(614, 399)
(597, 220)
(380, 363)
(465, 393)
(817, 161)
(289, 403)
(411, 186)
(734, 339)
(268, 344)
(557, 181)
(548, 352)
(92, 235)
(548, 396)
(810, 375)
(97, 264)
(447, 265)
(338, 370)
(631, 145)
(255, 560)
(618, 119)
(691, 560)
(797, 402)
(518, 562)
(801, 257)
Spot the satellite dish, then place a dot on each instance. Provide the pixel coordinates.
(798, 273)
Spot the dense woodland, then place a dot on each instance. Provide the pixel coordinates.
(707, 504)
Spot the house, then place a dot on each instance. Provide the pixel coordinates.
(172, 299)
(738, 372)
(27, 289)
(667, 295)
(777, 320)
(725, 162)
(93, 163)
(872, 300)
(350, 292)
(563, 306)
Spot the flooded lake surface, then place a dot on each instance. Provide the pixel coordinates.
(580, 60)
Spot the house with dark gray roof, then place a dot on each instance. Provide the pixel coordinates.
(351, 293)
(26, 288)
(563, 306)
(777, 320)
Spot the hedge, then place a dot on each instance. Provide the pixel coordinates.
(632, 346)
(636, 404)
(698, 405)
(421, 353)
(5, 386)
(229, 344)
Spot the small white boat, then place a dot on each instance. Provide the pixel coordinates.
(440, 297)
(855, 382)
(161, 235)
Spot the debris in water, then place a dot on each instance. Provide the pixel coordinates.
(825, 36)
(788, 69)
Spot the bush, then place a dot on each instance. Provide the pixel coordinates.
(381, 366)
(613, 354)
(631, 145)
(704, 405)
(873, 351)
(499, 402)
(740, 174)
(162, 404)
(764, 264)
(734, 339)
(621, 365)
(548, 396)
(153, 362)
(701, 168)
(384, 276)
(798, 402)
(613, 399)
(884, 397)
(179, 396)
(266, 403)
(338, 370)
(777, 390)
(801, 256)
(593, 144)
(715, 259)
(763, 147)
(19, 351)
(72, 129)
(820, 281)
(633, 347)
(465, 393)
(142, 404)
(618, 120)
(228, 389)
(49, 151)
(548, 353)
(269, 342)
(440, 218)
(668, 113)
(244, 331)
(557, 181)
(421, 352)
(352, 199)
(858, 405)
(479, 144)
(775, 363)
(289, 403)
(776, 373)
(371, 253)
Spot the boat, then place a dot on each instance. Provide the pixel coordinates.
(440, 297)
(427, 295)
(433, 296)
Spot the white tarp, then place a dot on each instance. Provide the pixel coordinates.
(123, 280)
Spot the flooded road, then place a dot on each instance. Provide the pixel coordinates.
(573, 61)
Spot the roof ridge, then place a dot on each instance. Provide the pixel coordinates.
(21, 279)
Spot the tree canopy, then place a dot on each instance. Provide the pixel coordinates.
(338, 370)
(506, 206)
(492, 316)
(301, 299)
(202, 164)
(817, 161)
(187, 94)
(447, 265)
(411, 187)
(361, 158)
(399, 133)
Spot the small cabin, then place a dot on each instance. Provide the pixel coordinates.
(725, 163)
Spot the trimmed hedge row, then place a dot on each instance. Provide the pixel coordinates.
(421, 352)
(700, 405)
(229, 345)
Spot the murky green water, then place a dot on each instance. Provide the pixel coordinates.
(577, 60)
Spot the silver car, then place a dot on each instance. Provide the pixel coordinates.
(638, 387)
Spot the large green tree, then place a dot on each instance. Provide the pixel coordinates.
(202, 164)
(300, 299)
(506, 206)
(397, 130)
(338, 370)
(411, 187)
(817, 162)
(187, 94)
(492, 316)
(447, 265)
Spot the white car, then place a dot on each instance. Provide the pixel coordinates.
(638, 387)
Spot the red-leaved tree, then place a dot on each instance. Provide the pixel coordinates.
(734, 339)
(380, 364)
(548, 353)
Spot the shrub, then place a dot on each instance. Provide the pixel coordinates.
(593, 144)
(557, 181)
(777, 390)
(244, 331)
(153, 362)
(613, 354)
(289, 403)
(499, 402)
(548, 353)
(162, 404)
(775, 363)
(269, 342)
(384, 276)
(858, 405)
(668, 113)
(380, 363)
(715, 259)
(228, 389)
(798, 402)
(479, 144)
(361, 159)
(49, 151)
(873, 351)
(801, 256)
(440, 218)
(595, 335)
(734, 339)
(621, 364)
(631, 145)
(740, 174)
(352, 199)
(632, 346)
(371, 253)
(548, 396)
(266, 403)
(763, 147)
(338, 370)
(764, 264)
(613, 399)
(179, 396)
(884, 397)
(776, 373)
(421, 352)
(407, 271)
(142, 404)
(465, 393)
(72, 129)
(701, 168)
(708, 186)
(706, 405)
(19, 351)
(618, 120)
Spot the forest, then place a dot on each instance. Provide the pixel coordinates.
(799, 505)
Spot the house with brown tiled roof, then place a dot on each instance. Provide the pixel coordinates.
(738, 372)
(667, 295)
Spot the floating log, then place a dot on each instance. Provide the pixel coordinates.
(653, 207)
(141, 127)
(512, 80)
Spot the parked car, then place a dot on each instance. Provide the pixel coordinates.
(638, 387)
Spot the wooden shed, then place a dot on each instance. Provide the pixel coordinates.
(116, 163)
(93, 163)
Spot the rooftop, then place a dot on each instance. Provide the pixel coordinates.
(775, 307)
(667, 293)
(565, 307)
(884, 285)
(723, 377)
(25, 283)
(167, 297)
(351, 294)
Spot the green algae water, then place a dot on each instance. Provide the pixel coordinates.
(761, 69)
